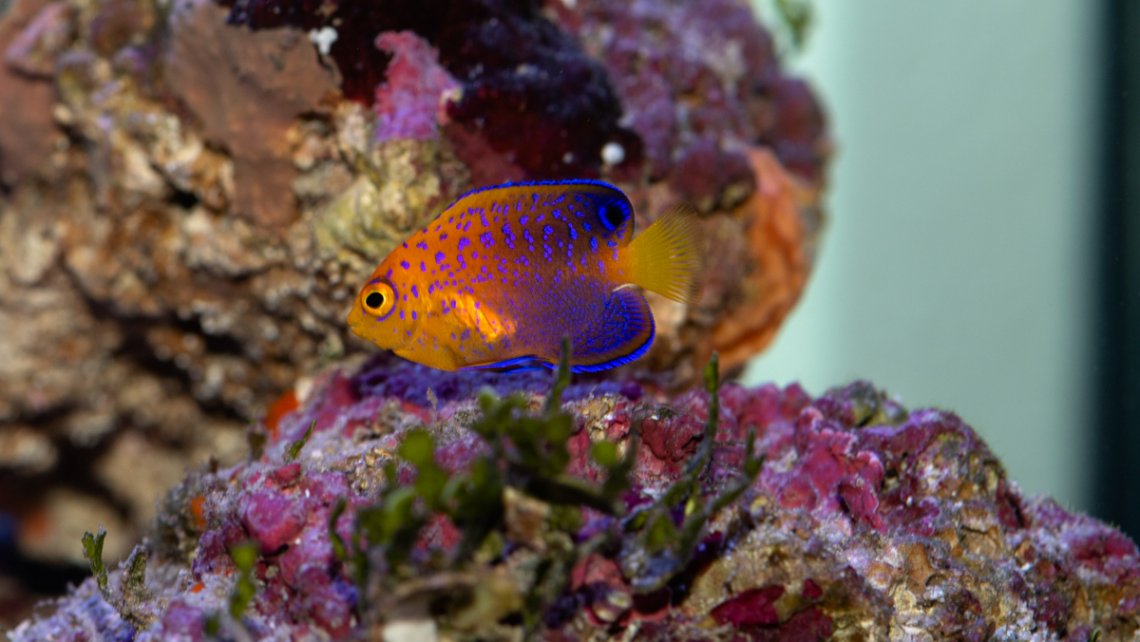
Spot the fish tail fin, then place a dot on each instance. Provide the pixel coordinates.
(663, 258)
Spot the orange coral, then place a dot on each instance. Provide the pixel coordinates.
(198, 513)
(282, 406)
(784, 225)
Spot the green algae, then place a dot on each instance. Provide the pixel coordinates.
(294, 450)
(526, 469)
(662, 548)
(244, 556)
(797, 17)
(132, 590)
(93, 552)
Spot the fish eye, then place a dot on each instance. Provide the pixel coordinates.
(612, 214)
(378, 299)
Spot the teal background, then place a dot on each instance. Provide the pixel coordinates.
(957, 268)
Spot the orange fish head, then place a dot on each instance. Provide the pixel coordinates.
(376, 314)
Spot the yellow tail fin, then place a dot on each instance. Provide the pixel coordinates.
(663, 258)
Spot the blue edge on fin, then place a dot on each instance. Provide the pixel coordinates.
(622, 200)
(569, 181)
(531, 362)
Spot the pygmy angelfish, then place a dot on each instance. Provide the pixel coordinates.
(505, 272)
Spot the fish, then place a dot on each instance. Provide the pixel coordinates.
(502, 275)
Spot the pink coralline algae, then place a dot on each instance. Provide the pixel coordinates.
(863, 521)
(410, 101)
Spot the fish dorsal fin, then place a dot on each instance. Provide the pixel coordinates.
(607, 211)
(622, 333)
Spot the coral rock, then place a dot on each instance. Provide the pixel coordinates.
(864, 521)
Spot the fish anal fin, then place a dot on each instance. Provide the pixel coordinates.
(621, 334)
(514, 364)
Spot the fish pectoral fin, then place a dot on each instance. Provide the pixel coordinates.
(622, 333)
(527, 362)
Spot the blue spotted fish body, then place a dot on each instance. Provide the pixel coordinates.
(504, 273)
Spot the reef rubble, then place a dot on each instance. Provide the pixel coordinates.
(400, 503)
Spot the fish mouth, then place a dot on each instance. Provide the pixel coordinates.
(375, 331)
(356, 319)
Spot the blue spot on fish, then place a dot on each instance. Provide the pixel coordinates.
(487, 240)
(405, 264)
(439, 257)
(463, 243)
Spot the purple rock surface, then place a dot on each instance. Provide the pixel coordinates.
(865, 521)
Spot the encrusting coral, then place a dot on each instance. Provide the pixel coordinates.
(191, 191)
(398, 503)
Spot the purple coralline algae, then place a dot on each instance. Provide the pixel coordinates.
(409, 101)
(725, 66)
(843, 516)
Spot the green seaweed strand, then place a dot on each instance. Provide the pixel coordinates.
(93, 551)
